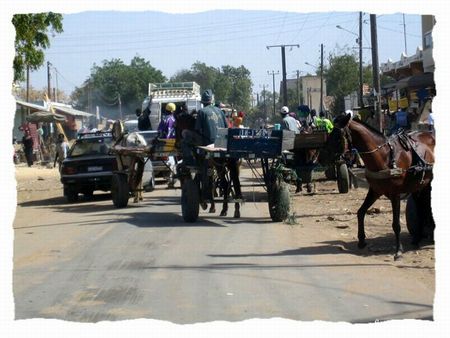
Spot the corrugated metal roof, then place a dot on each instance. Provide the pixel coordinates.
(58, 107)
(35, 107)
(69, 110)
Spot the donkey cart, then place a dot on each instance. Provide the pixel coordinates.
(311, 152)
(233, 145)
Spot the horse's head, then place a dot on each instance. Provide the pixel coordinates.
(335, 146)
(342, 121)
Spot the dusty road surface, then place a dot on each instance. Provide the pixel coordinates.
(88, 262)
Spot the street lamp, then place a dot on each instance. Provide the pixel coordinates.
(359, 42)
(315, 67)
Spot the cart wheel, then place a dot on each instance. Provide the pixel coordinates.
(190, 200)
(330, 172)
(343, 179)
(279, 201)
(120, 190)
(71, 194)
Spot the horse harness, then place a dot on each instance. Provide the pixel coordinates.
(418, 164)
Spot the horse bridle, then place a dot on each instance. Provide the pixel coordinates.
(348, 138)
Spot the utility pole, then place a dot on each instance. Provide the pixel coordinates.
(49, 90)
(28, 87)
(361, 104)
(264, 101)
(376, 70)
(120, 107)
(298, 88)
(404, 34)
(273, 86)
(321, 77)
(283, 63)
(56, 85)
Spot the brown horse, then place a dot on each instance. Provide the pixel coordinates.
(227, 170)
(396, 165)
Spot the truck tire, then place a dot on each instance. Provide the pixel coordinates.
(279, 201)
(120, 191)
(190, 200)
(343, 179)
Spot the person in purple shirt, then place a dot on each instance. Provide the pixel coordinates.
(166, 127)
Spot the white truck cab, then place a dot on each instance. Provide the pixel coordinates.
(179, 93)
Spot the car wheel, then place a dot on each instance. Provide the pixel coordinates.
(88, 193)
(150, 186)
(71, 194)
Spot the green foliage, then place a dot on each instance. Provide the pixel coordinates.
(264, 107)
(115, 81)
(32, 39)
(342, 76)
(229, 84)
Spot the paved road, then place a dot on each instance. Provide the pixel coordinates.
(88, 262)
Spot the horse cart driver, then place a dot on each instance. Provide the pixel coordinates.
(209, 118)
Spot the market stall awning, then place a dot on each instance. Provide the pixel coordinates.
(44, 116)
(33, 107)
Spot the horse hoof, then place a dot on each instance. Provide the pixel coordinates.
(212, 210)
(237, 214)
(362, 245)
(223, 213)
(203, 205)
(397, 256)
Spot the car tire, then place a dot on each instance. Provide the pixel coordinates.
(150, 186)
(89, 194)
(70, 194)
(120, 191)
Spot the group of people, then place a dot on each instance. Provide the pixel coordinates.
(304, 119)
(301, 123)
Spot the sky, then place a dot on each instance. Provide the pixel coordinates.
(102, 29)
(172, 42)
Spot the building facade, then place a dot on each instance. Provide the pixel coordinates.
(308, 89)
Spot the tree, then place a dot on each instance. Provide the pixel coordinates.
(31, 40)
(342, 76)
(115, 85)
(229, 84)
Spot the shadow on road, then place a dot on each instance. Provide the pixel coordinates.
(376, 247)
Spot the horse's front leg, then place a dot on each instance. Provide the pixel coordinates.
(234, 175)
(395, 202)
(370, 199)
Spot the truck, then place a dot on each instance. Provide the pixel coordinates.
(179, 93)
(160, 94)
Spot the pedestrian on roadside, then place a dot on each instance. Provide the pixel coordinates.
(62, 148)
(27, 142)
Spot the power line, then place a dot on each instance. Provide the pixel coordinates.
(153, 46)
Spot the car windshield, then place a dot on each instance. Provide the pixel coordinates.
(91, 146)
